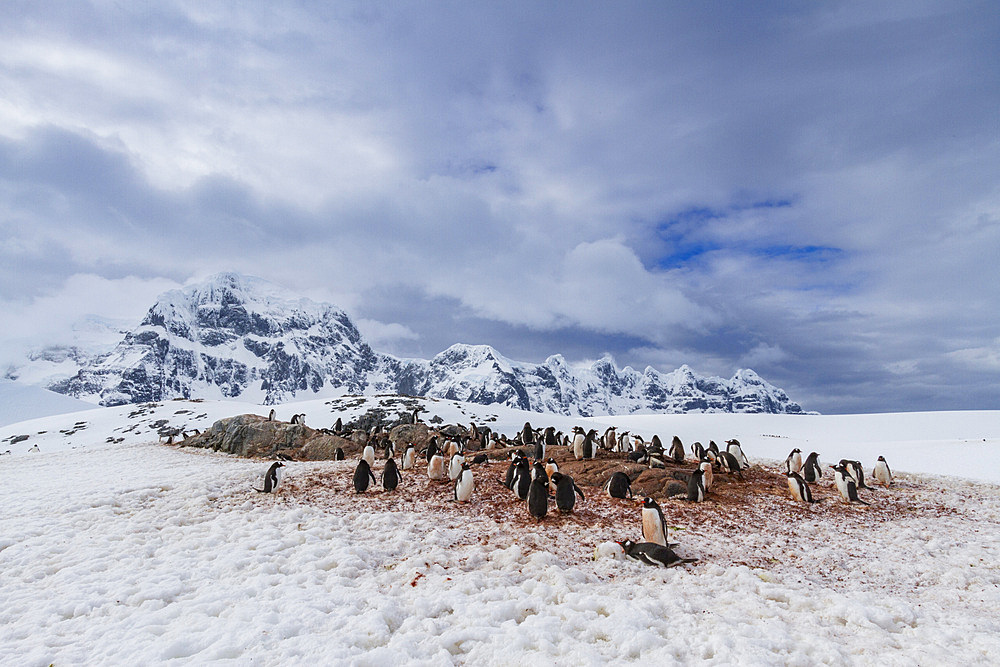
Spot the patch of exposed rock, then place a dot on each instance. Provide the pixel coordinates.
(254, 436)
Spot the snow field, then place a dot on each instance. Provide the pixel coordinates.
(145, 553)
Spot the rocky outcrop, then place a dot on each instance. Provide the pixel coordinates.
(254, 436)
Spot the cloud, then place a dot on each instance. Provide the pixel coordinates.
(807, 188)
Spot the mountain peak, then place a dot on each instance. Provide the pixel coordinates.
(232, 336)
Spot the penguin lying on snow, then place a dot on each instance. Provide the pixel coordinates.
(653, 554)
(272, 478)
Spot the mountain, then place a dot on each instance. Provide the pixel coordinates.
(234, 336)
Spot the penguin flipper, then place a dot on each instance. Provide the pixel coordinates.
(579, 492)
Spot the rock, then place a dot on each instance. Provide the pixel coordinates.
(253, 436)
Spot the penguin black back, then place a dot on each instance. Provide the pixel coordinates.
(811, 470)
(566, 492)
(538, 498)
(271, 478)
(619, 486)
(390, 475)
(361, 476)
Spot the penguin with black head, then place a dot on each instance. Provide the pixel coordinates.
(272, 478)
(811, 470)
(619, 486)
(566, 492)
(391, 477)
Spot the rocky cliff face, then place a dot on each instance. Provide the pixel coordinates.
(235, 336)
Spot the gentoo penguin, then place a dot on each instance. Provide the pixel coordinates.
(624, 442)
(409, 456)
(527, 434)
(432, 447)
(338, 426)
(369, 456)
(697, 451)
(619, 486)
(881, 473)
(566, 492)
(511, 471)
(707, 476)
(270, 415)
(284, 457)
(464, 484)
(713, 448)
(522, 479)
(579, 437)
(696, 487)
(793, 462)
(799, 489)
(590, 444)
(338, 455)
(539, 449)
(538, 471)
(609, 440)
(551, 467)
(655, 446)
(455, 466)
(550, 437)
(733, 447)
(846, 485)
(390, 475)
(654, 526)
(480, 458)
(811, 470)
(436, 467)
(653, 554)
(730, 463)
(361, 475)
(855, 469)
(676, 450)
(272, 478)
(538, 498)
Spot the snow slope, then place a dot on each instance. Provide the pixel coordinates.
(138, 552)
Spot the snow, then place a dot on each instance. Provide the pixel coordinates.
(19, 402)
(138, 552)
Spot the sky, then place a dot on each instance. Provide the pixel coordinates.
(811, 190)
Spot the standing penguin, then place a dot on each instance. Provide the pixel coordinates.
(511, 471)
(270, 415)
(390, 475)
(435, 468)
(793, 462)
(654, 526)
(369, 456)
(540, 449)
(696, 487)
(881, 473)
(538, 498)
(676, 450)
(338, 454)
(698, 451)
(455, 466)
(811, 470)
(619, 486)
(409, 457)
(730, 463)
(522, 479)
(538, 471)
(846, 485)
(361, 475)
(578, 439)
(733, 447)
(527, 434)
(798, 488)
(707, 476)
(566, 492)
(432, 448)
(855, 470)
(272, 478)
(590, 444)
(653, 554)
(464, 484)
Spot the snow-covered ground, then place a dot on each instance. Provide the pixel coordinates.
(133, 551)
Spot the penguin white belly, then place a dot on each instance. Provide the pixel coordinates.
(652, 529)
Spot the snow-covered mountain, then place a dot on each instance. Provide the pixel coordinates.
(234, 336)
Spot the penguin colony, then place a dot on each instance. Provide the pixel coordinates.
(539, 483)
